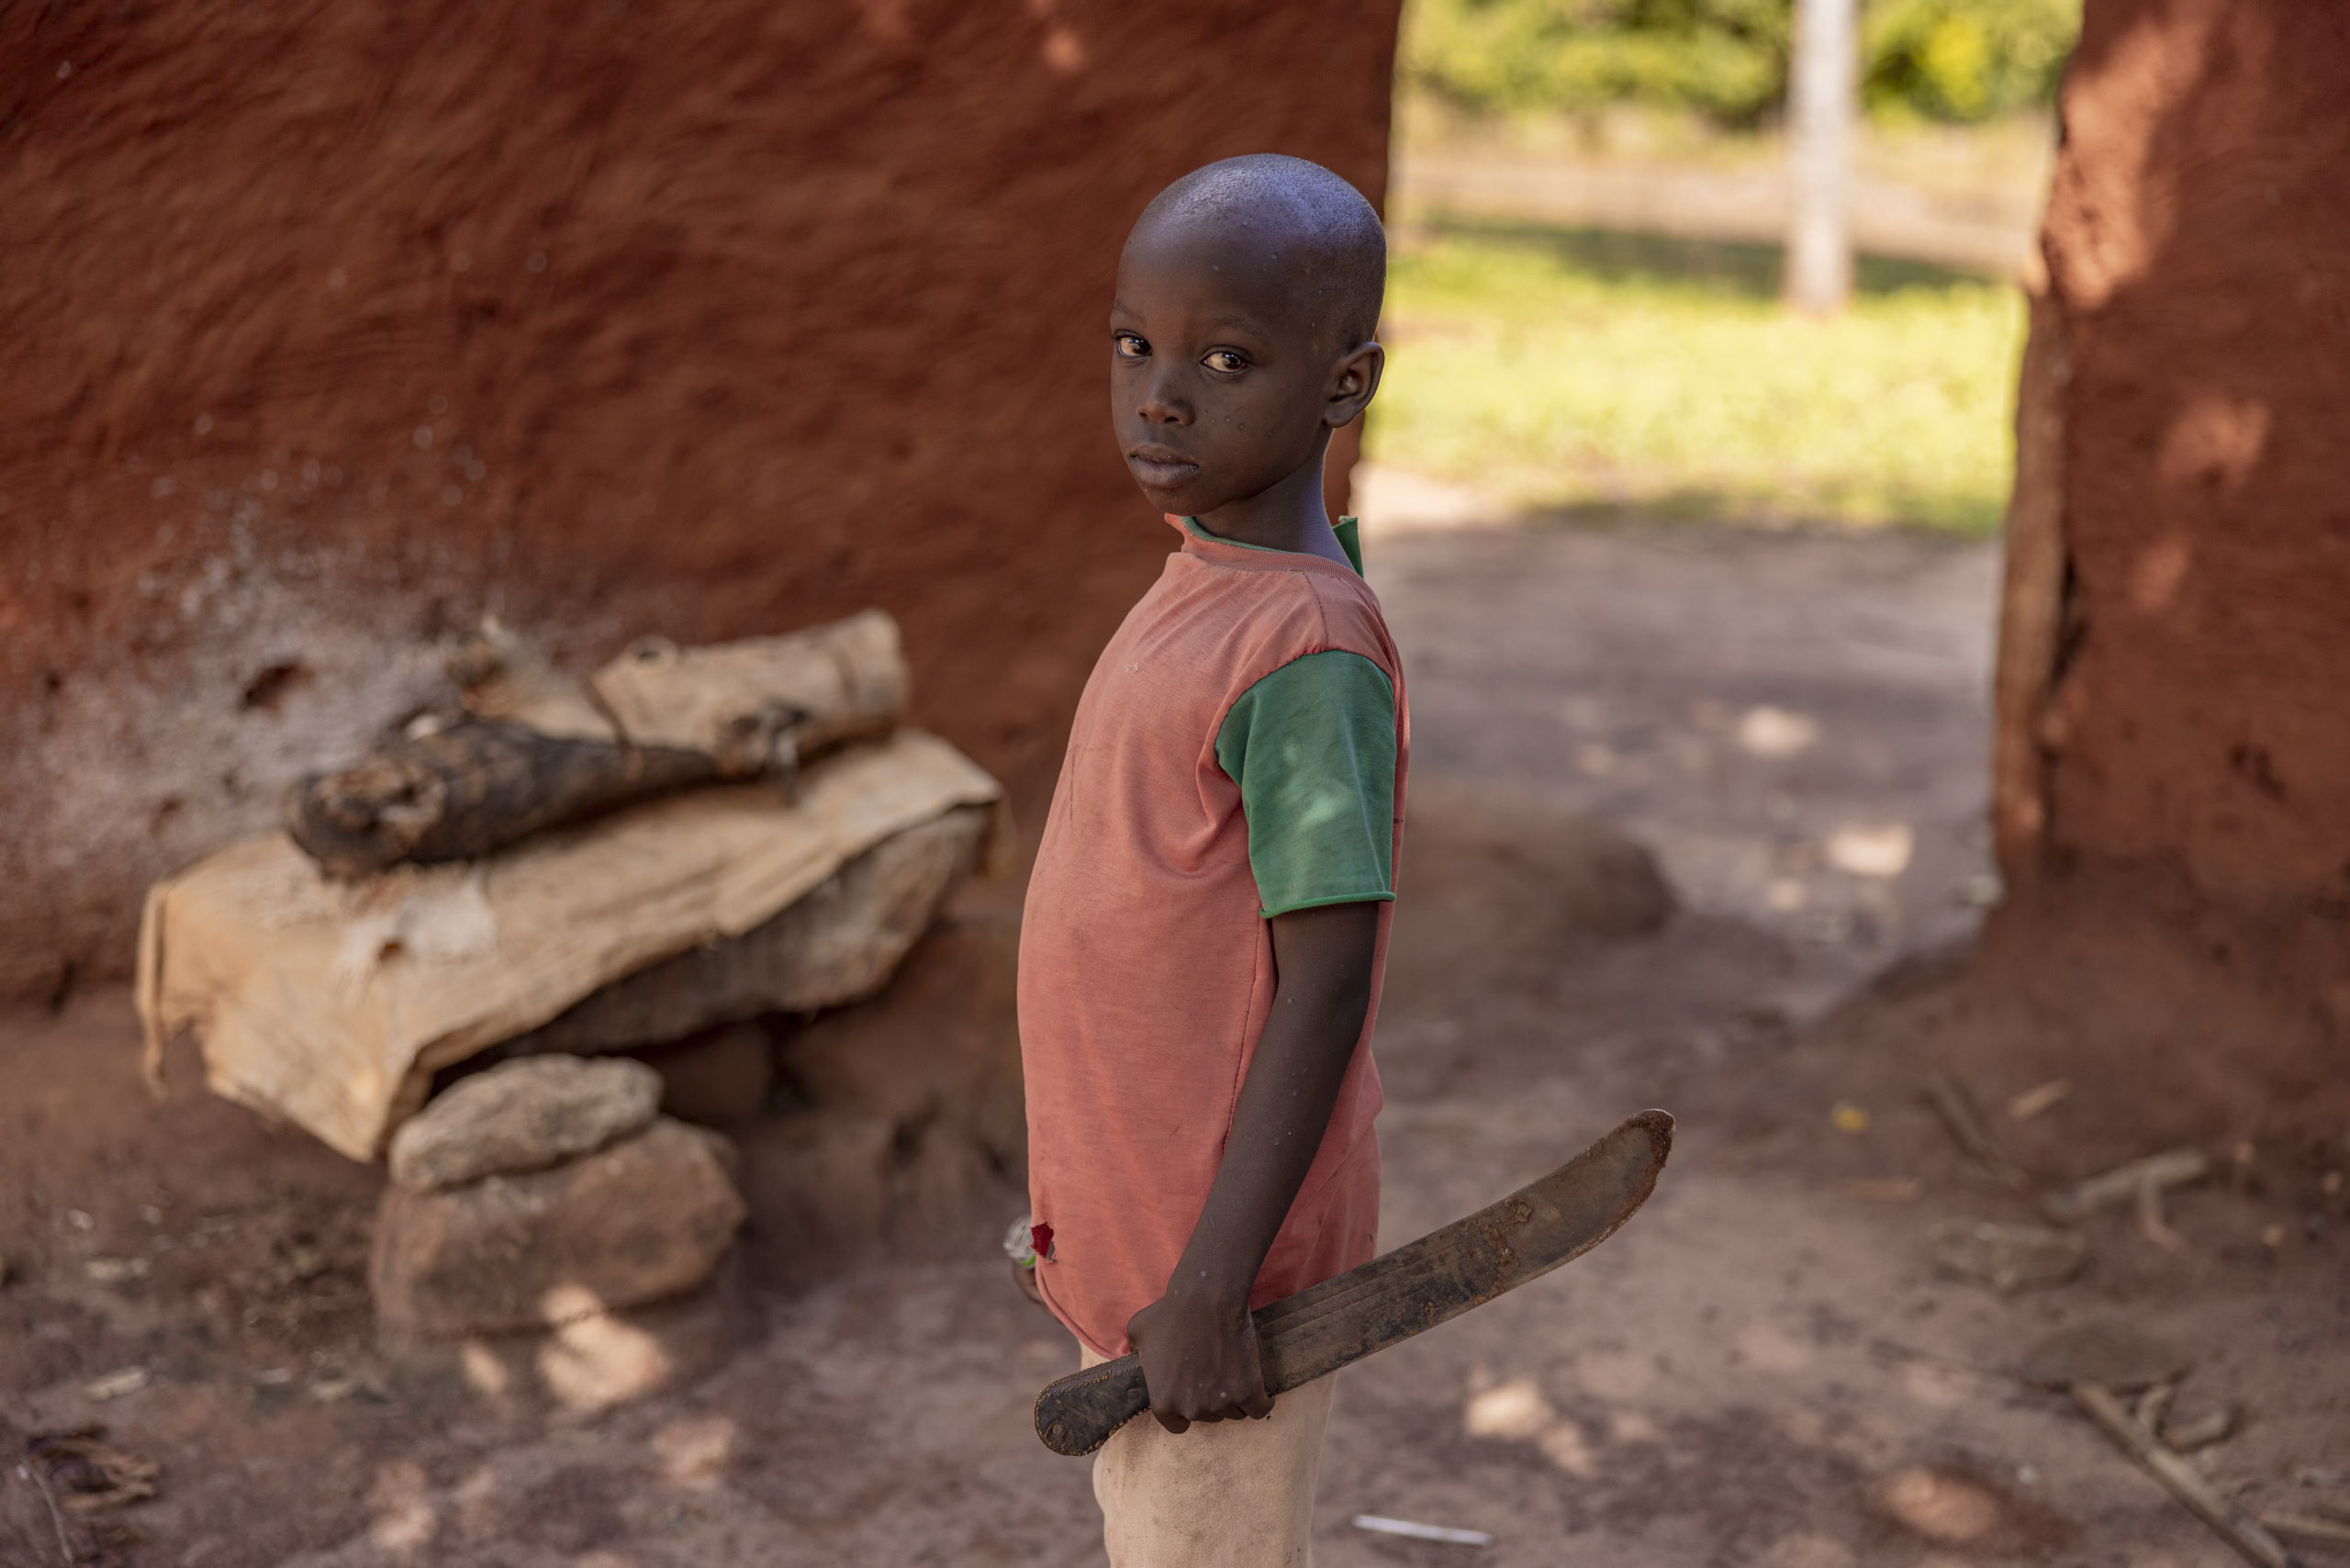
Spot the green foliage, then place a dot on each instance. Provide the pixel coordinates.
(1552, 374)
(1964, 59)
(1726, 59)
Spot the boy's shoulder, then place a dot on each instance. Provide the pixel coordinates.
(1281, 609)
(1247, 582)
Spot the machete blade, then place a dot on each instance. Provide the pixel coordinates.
(1406, 1292)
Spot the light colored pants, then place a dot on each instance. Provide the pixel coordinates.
(1223, 1495)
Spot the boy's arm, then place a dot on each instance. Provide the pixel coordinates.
(1198, 1348)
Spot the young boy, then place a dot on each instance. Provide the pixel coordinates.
(1201, 953)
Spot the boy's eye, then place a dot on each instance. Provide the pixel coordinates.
(1225, 360)
(1130, 347)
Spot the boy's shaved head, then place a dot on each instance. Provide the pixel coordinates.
(1326, 234)
(1241, 336)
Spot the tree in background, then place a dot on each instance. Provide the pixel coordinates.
(1724, 59)
(1964, 59)
(1819, 157)
(1951, 60)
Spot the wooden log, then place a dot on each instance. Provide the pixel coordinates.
(471, 788)
(498, 676)
(537, 750)
(763, 702)
(2251, 1540)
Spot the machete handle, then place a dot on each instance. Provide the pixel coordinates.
(1076, 1415)
(1400, 1294)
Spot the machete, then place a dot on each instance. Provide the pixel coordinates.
(1398, 1294)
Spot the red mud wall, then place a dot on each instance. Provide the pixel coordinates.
(2196, 715)
(324, 326)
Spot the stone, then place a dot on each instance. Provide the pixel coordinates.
(589, 1363)
(718, 1077)
(2122, 1357)
(2008, 1256)
(839, 944)
(522, 1116)
(645, 1219)
(907, 1135)
(943, 1040)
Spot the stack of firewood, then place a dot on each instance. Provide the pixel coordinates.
(531, 748)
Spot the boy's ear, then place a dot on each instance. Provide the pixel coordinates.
(1354, 381)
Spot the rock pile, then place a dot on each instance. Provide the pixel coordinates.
(543, 1190)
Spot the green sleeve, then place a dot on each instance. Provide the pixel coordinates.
(1313, 747)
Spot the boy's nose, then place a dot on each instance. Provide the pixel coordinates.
(1162, 405)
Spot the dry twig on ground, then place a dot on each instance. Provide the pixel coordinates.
(40, 1483)
(2023, 1107)
(2308, 1528)
(1968, 1130)
(2251, 1539)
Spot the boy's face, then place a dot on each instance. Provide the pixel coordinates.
(1224, 380)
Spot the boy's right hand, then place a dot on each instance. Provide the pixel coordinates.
(1198, 1360)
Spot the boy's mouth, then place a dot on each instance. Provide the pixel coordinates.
(1159, 468)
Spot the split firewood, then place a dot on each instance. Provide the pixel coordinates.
(538, 750)
(1968, 1130)
(2123, 1184)
(470, 789)
(2251, 1539)
(763, 700)
(498, 676)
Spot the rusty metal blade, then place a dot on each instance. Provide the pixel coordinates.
(1406, 1292)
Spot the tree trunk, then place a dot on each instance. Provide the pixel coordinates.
(1821, 90)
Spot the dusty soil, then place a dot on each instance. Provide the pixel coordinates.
(1764, 1369)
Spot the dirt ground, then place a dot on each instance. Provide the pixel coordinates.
(1764, 1369)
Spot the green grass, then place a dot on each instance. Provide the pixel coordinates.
(1573, 371)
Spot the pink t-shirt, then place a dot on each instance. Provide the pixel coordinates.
(1146, 970)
